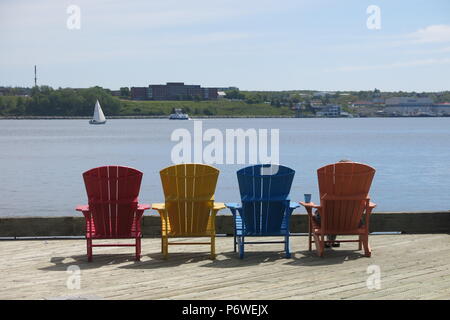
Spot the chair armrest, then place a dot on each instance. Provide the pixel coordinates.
(310, 205)
(219, 206)
(158, 206)
(234, 206)
(144, 206)
(369, 209)
(293, 205)
(83, 209)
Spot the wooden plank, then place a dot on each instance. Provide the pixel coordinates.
(412, 267)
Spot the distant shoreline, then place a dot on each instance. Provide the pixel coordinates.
(136, 117)
(131, 117)
(195, 117)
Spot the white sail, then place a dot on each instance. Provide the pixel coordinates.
(98, 117)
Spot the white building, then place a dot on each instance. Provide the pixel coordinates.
(328, 111)
(221, 95)
(405, 106)
(323, 94)
(442, 109)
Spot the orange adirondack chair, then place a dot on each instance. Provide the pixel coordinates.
(189, 209)
(345, 206)
(113, 211)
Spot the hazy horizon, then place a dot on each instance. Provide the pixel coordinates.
(254, 45)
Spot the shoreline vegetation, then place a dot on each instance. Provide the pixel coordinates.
(192, 117)
(137, 117)
(44, 102)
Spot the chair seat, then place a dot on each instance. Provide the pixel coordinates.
(240, 232)
(166, 230)
(92, 234)
(357, 231)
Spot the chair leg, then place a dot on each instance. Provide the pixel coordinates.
(310, 241)
(138, 249)
(241, 247)
(360, 243)
(309, 234)
(89, 249)
(319, 240)
(235, 241)
(286, 247)
(165, 247)
(213, 247)
(322, 245)
(367, 249)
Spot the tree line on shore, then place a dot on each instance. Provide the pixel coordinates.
(46, 101)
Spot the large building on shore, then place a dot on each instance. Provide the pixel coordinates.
(173, 91)
(407, 106)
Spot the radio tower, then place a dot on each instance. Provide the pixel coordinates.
(35, 76)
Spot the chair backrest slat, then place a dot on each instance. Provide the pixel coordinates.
(344, 193)
(189, 196)
(113, 196)
(264, 193)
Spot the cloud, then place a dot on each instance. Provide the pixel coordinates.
(431, 51)
(431, 34)
(110, 29)
(412, 63)
(118, 15)
(205, 38)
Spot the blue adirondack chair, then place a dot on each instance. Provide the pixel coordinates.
(265, 208)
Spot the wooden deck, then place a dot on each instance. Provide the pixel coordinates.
(412, 267)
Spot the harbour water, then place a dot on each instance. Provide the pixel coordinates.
(41, 161)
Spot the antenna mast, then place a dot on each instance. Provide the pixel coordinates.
(35, 76)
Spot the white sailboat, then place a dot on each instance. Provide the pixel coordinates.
(99, 117)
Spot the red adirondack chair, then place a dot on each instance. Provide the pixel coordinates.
(113, 211)
(345, 206)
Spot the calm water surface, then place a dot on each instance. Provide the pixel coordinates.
(41, 161)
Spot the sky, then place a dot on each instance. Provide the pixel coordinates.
(251, 44)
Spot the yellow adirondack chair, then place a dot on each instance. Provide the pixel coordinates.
(189, 209)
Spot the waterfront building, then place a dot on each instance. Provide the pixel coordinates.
(139, 93)
(15, 91)
(227, 88)
(322, 94)
(330, 110)
(210, 93)
(408, 106)
(362, 103)
(442, 109)
(369, 103)
(316, 102)
(378, 101)
(173, 91)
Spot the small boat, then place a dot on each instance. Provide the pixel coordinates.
(179, 115)
(98, 117)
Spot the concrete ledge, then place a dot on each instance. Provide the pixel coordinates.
(406, 222)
